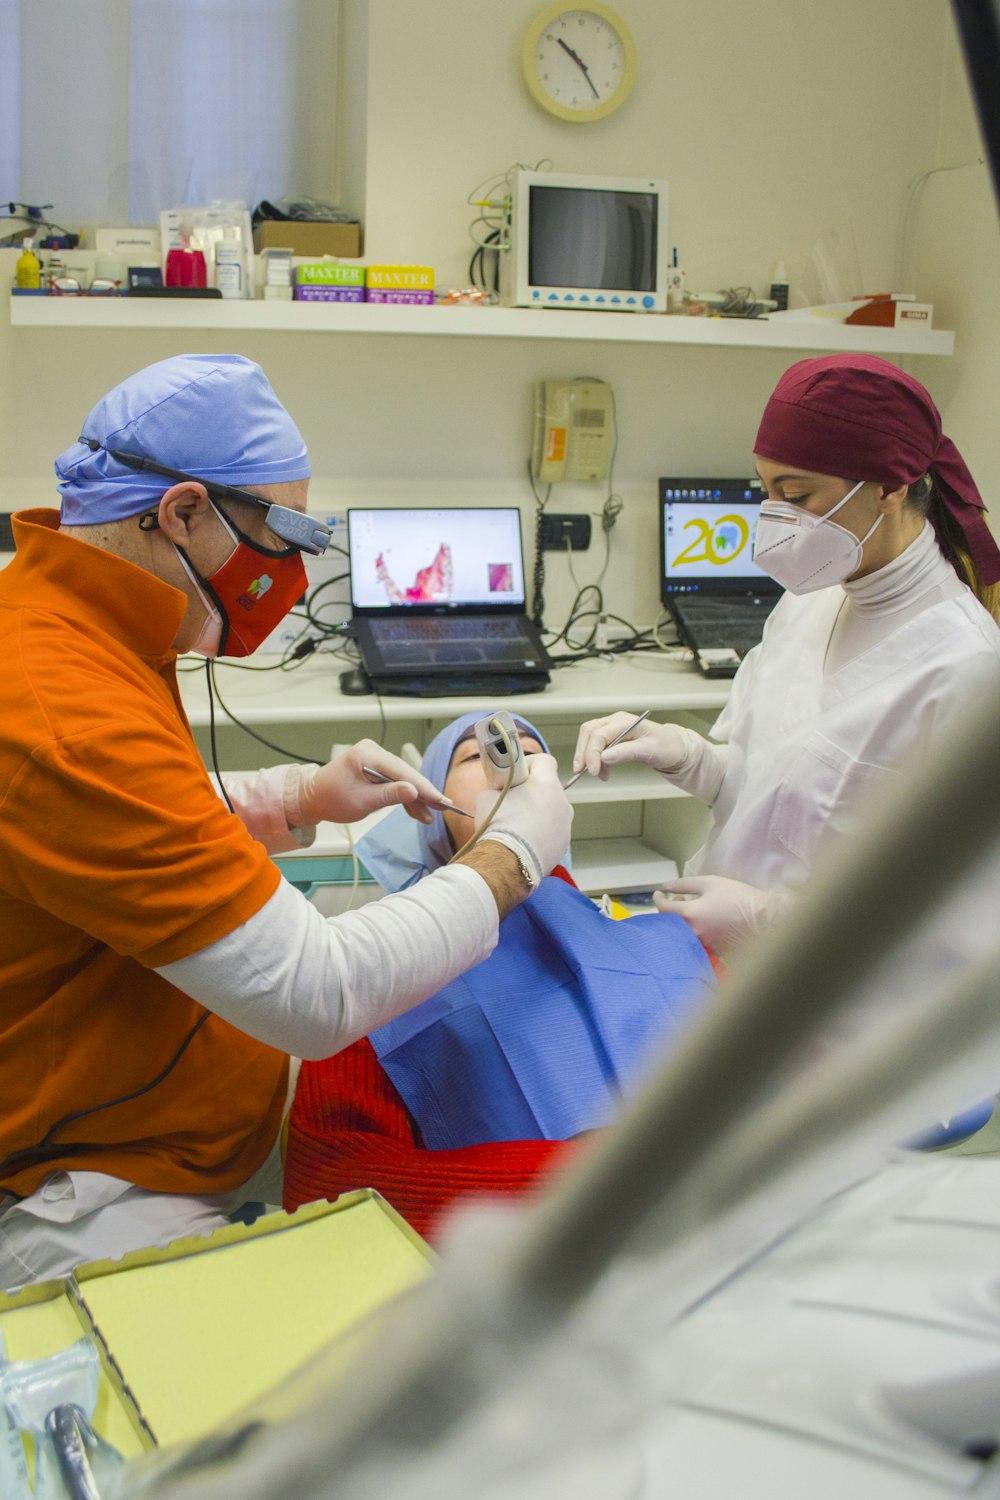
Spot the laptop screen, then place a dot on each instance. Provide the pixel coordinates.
(707, 528)
(436, 561)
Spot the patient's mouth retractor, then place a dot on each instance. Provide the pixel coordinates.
(446, 802)
(627, 730)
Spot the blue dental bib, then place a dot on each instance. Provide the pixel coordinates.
(543, 1039)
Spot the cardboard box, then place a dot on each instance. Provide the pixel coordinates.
(192, 1334)
(308, 237)
(399, 278)
(329, 293)
(396, 294)
(136, 246)
(329, 273)
(892, 311)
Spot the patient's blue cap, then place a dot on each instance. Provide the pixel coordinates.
(213, 415)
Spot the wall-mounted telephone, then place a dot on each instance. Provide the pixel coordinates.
(574, 430)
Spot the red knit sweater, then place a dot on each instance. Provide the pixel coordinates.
(350, 1129)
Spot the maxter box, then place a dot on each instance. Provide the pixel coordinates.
(397, 294)
(310, 293)
(399, 279)
(329, 273)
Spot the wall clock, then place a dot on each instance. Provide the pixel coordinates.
(578, 63)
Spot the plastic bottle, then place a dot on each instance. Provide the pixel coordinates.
(185, 265)
(229, 263)
(779, 287)
(28, 270)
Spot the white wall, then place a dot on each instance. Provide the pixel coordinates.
(773, 122)
(957, 255)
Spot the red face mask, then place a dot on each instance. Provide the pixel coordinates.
(252, 593)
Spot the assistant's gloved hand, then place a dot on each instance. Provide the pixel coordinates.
(662, 746)
(535, 818)
(340, 792)
(722, 912)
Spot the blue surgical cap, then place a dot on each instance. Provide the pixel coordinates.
(213, 415)
(399, 851)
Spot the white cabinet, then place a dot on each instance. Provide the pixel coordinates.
(623, 824)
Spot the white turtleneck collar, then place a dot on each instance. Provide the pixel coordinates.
(879, 603)
(919, 567)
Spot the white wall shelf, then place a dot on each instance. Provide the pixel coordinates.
(471, 322)
(310, 696)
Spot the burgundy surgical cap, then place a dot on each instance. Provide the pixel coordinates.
(859, 417)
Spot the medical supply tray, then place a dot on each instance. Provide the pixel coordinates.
(192, 1334)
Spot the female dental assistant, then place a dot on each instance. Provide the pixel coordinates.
(885, 632)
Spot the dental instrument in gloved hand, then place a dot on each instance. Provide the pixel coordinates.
(374, 775)
(627, 730)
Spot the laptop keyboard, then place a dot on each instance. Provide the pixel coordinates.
(714, 623)
(434, 630)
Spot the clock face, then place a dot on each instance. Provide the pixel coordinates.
(578, 64)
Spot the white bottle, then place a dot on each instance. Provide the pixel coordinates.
(229, 263)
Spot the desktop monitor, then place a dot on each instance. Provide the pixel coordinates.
(591, 243)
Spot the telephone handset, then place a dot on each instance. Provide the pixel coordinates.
(574, 430)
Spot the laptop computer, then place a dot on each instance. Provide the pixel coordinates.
(709, 584)
(438, 601)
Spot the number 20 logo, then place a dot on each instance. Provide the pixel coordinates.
(716, 543)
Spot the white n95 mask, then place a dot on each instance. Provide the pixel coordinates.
(804, 552)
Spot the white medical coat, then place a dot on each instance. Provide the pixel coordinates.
(807, 750)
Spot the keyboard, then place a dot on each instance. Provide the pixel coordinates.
(714, 623)
(430, 631)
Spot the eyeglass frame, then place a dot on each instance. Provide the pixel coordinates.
(106, 287)
(292, 526)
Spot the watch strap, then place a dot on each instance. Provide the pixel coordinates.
(530, 864)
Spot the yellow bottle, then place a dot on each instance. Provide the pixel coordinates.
(27, 271)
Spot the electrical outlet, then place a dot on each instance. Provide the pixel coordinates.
(558, 532)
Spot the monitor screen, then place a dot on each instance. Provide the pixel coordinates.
(436, 559)
(589, 237)
(707, 529)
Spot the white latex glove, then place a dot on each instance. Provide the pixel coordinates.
(662, 746)
(340, 792)
(722, 912)
(536, 817)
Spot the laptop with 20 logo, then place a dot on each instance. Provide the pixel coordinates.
(709, 583)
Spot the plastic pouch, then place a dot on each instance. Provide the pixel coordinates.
(29, 1391)
(14, 1483)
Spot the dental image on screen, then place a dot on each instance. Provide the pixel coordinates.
(706, 539)
(585, 237)
(435, 557)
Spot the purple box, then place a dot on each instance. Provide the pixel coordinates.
(311, 293)
(398, 294)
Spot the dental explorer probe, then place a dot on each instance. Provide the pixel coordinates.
(446, 802)
(627, 730)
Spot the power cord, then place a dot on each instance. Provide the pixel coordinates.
(538, 576)
(486, 229)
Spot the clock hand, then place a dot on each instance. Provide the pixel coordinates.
(580, 64)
